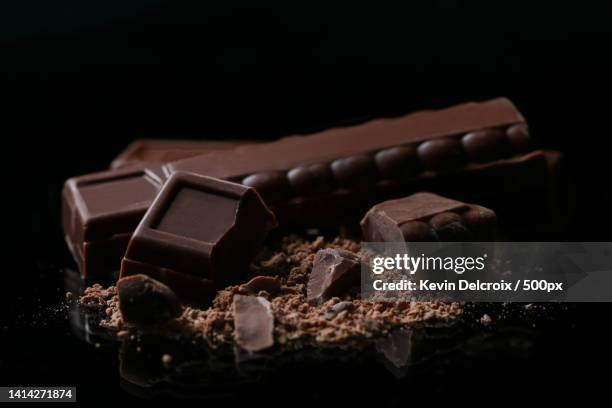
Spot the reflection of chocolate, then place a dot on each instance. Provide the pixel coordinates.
(334, 273)
(427, 217)
(253, 323)
(198, 227)
(397, 347)
(143, 300)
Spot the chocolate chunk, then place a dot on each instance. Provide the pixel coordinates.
(159, 151)
(311, 179)
(253, 323)
(441, 154)
(143, 300)
(397, 162)
(334, 273)
(199, 226)
(427, 217)
(486, 145)
(270, 284)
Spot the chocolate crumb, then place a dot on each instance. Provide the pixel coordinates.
(166, 360)
(486, 320)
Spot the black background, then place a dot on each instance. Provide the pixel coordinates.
(80, 80)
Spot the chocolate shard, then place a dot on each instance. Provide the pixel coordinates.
(159, 151)
(334, 273)
(146, 301)
(253, 323)
(270, 284)
(427, 217)
(199, 227)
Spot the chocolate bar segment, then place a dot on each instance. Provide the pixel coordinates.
(199, 227)
(99, 213)
(159, 151)
(427, 217)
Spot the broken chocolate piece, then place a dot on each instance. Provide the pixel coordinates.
(143, 300)
(99, 213)
(427, 217)
(200, 227)
(334, 272)
(253, 323)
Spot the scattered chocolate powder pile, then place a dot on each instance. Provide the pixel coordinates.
(346, 321)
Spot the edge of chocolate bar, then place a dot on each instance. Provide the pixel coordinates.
(159, 151)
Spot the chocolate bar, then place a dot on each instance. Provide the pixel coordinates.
(159, 151)
(427, 217)
(99, 213)
(436, 140)
(339, 173)
(201, 228)
(145, 301)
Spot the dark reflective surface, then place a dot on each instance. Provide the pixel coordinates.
(75, 96)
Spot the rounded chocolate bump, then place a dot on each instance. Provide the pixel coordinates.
(418, 231)
(449, 227)
(273, 186)
(519, 138)
(396, 162)
(311, 179)
(484, 145)
(354, 171)
(441, 154)
(146, 301)
(481, 221)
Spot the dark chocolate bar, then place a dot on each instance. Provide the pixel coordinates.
(101, 210)
(385, 148)
(198, 227)
(427, 217)
(160, 151)
(336, 175)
